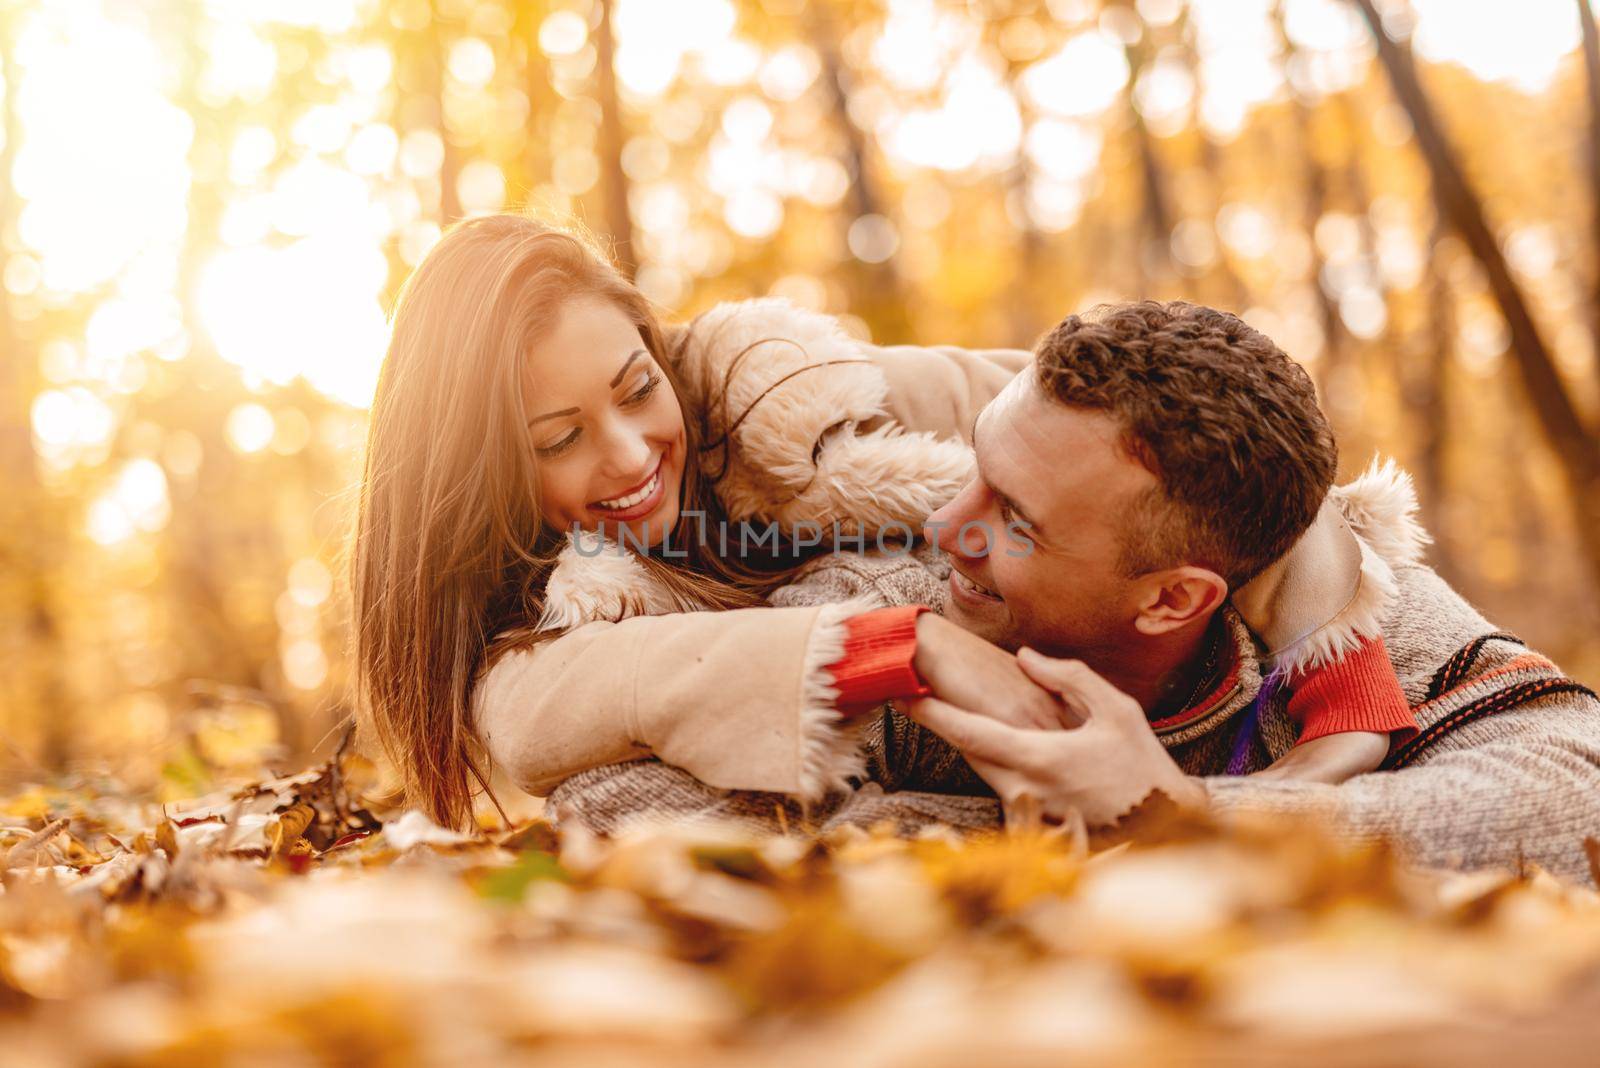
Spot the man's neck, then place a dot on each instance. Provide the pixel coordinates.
(1159, 671)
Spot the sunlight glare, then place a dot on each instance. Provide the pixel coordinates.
(137, 501)
(1082, 79)
(562, 33)
(1240, 61)
(314, 196)
(481, 187)
(71, 417)
(253, 151)
(239, 64)
(1064, 150)
(309, 310)
(978, 123)
(102, 165)
(1522, 46)
(918, 43)
(789, 72)
(471, 62)
(653, 38)
(753, 213)
(730, 62)
(249, 428)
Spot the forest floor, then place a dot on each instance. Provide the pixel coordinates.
(290, 921)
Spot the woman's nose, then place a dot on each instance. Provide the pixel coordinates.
(627, 451)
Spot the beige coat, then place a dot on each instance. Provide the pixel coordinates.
(826, 428)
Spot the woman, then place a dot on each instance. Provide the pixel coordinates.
(528, 391)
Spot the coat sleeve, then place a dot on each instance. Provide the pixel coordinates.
(740, 699)
(941, 389)
(1523, 784)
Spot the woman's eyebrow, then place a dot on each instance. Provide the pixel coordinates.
(552, 415)
(634, 355)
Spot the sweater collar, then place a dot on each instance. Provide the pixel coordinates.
(1234, 685)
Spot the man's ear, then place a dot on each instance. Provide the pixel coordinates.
(1172, 599)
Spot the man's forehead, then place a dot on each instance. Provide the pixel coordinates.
(1046, 455)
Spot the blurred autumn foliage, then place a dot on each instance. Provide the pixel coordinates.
(207, 206)
(286, 922)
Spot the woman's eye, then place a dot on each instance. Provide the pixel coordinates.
(558, 447)
(642, 394)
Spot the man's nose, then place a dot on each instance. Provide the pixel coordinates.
(942, 526)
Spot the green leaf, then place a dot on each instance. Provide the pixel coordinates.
(511, 883)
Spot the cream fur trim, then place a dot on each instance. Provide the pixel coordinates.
(782, 337)
(603, 581)
(802, 390)
(861, 482)
(830, 750)
(1381, 508)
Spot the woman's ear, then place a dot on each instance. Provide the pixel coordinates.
(1171, 599)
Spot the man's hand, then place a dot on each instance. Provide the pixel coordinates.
(1101, 769)
(965, 670)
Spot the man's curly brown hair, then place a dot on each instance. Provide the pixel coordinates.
(1227, 423)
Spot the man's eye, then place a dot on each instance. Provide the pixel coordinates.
(642, 394)
(558, 447)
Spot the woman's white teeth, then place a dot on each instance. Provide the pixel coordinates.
(638, 497)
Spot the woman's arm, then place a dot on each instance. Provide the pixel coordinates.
(741, 700)
(804, 424)
(941, 389)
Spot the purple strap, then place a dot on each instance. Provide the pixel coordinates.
(1240, 758)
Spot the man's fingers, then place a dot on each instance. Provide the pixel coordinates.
(1004, 781)
(1076, 683)
(976, 736)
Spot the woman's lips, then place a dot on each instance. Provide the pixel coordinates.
(970, 592)
(656, 484)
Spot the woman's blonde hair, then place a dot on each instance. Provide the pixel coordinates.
(450, 555)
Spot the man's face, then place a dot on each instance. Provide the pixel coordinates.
(1057, 587)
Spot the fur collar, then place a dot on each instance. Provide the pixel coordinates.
(1380, 508)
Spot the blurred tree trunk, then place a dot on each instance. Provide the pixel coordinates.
(881, 291)
(1235, 294)
(1368, 361)
(1591, 66)
(1355, 177)
(1155, 252)
(16, 443)
(535, 159)
(436, 61)
(1430, 399)
(1023, 311)
(619, 223)
(1576, 448)
(1314, 206)
(1025, 297)
(25, 552)
(1236, 297)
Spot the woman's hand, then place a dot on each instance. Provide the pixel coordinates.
(965, 670)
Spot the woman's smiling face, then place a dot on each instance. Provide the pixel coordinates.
(605, 425)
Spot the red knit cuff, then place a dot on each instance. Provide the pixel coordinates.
(1358, 692)
(878, 662)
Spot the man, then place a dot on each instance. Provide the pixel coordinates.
(1167, 415)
